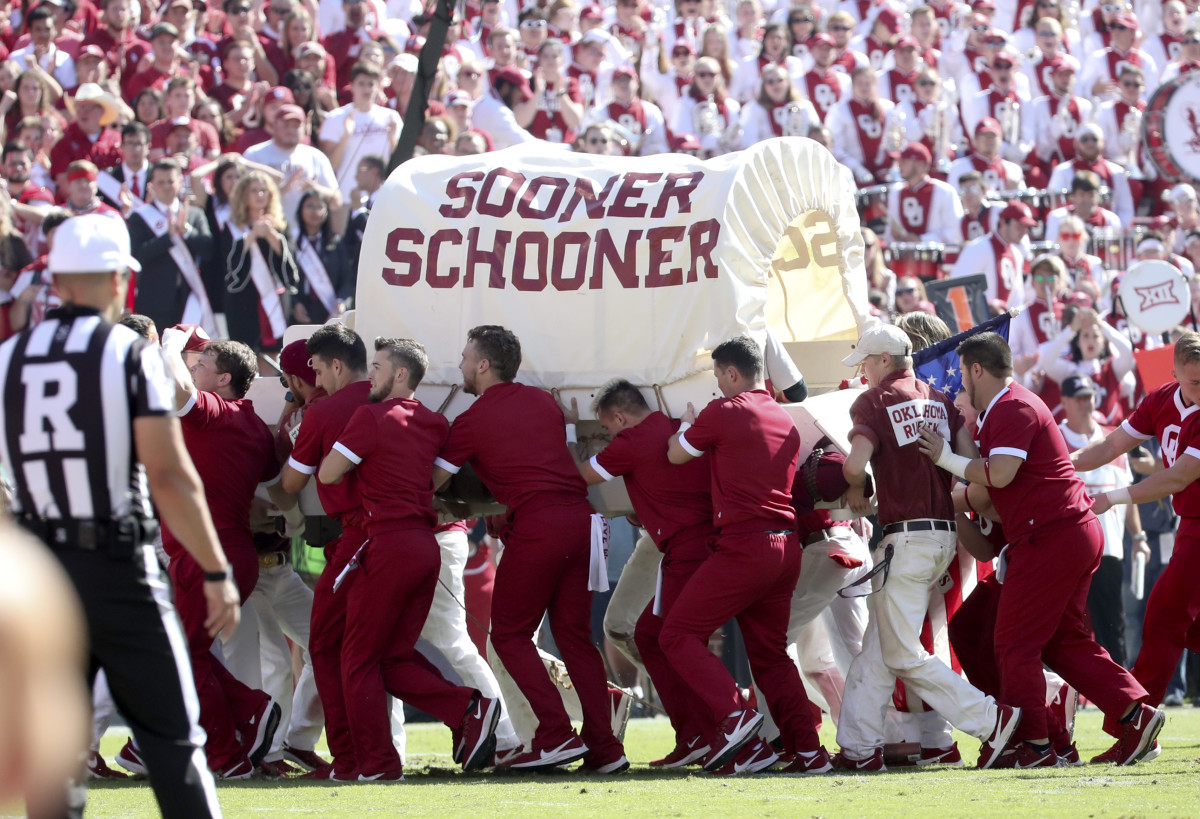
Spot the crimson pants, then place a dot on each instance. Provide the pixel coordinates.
(1042, 616)
(751, 577)
(325, 645)
(225, 702)
(684, 708)
(1172, 617)
(972, 636)
(545, 568)
(387, 603)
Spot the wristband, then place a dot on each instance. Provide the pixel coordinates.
(952, 463)
(216, 577)
(1118, 496)
(1140, 537)
(683, 427)
(571, 437)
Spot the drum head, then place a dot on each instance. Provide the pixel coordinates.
(1155, 296)
(1171, 128)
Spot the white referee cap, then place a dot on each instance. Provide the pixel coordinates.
(91, 243)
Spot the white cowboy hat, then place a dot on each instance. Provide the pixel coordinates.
(92, 92)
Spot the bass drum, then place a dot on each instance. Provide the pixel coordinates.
(1154, 296)
(1171, 129)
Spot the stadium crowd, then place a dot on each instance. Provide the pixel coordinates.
(241, 146)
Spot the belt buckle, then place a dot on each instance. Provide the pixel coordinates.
(270, 561)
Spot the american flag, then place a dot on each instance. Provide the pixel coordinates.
(938, 365)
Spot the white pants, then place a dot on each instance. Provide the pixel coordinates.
(446, 630)
(825, 631)
(102, 710)
(634, 591)
(892, 648)
(258, 654)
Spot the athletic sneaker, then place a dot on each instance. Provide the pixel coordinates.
(262, 728)
(685, 753)
(622, 707)
(941, 756)
(1065, 701)
(1007, 720)
(308, 760)
(394, 775)
(242, 769)
(98, 769)
(811, 762)
(475, 738)
(323, 772)
(269, 771)
(1138, 737)
(1068, 757)
(615, 766)
(570, 751)
(129, 759)
(1030, 757)
(502, 758)
(734, 731)
(872, 764)
(754, 757)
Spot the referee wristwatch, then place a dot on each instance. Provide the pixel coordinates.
(217, 577)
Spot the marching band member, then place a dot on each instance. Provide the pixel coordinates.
(708, 112)
(1054, 119)
(923, 209)
(998, 173)
(642, 121)
(824, 84)
(747, 79)
(1101, 69)
(859, 125)
(1084, 204)
(1089, 147)
(778, 111)
(999, 256)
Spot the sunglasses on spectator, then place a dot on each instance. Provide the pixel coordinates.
(1088, 138)
(905, 291)
(283, 380)
(1069, 234)
(240, 10)
(1045, 279)
(926, 82)
(1047, 34)
(773, 80)
(981, 29)
(706, 74)
(795, 20)
(1131, 84)
(839, 28)
(1047, 5)
(597, 141)
(1110, 8)
(1192, 41)
(533, 23)
(1119, 27)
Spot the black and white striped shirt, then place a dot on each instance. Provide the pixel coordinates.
(72, 387)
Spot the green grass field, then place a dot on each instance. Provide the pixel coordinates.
(1168, 786)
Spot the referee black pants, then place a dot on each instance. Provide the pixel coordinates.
(135, 636)
(1107, 608)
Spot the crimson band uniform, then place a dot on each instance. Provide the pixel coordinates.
(1055, 543)
(998, 260)
(549, 123)
(393, 445)
(913, 493)
(858, 133)
(675, 508)
(754, 568)
(233, 452)
(513, 437)
(1111, 174)
(319, 430)
(998, 173)
(1173, 608)
(930, 209)
(825, 89)
(1050, 131)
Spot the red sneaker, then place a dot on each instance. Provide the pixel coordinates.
(1068, 757)
(1007, 720)
(394, 775)
(308, 760)
(814, 762)
(871, 764)
(1138, 737)
(269, 771)
(98, 769)
(475, 739)
(754, 757)
(570, 751)
(323, 772)
(941, 756)
(1029, 757)
(130, 759)
(685, 753)
(734, 731)
(242, 769)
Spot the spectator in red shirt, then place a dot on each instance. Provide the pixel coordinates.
(88, 136)
(118, 39)
(239, 22)
(179, 101)
(343, 45)
(164, 63)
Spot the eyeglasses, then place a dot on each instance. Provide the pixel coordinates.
(1088, 138)
(1045, 279)
(1069, 234)
(283, 380)
(683, 52)
(597, 141)
(929, 83)
(795, 20)
(1192, 41)
(981, 29)
(240, 10)
(278, 11)
(840, 28)
(705, 74)
(1119, 27)
(533, 23)
(1131, 84)
(1110, 8)
(1047, 34)
(905, 291)
(775, 80)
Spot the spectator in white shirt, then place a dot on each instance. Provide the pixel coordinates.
(359, 129)
(493, 112)
(44, 52)
(302, 166)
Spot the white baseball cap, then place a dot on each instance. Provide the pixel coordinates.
(1180, 192)
(90, 244)
(883, 338)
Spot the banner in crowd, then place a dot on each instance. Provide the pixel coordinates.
(961, 302)
(613, 266)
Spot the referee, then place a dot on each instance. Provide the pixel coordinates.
(85, 428)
